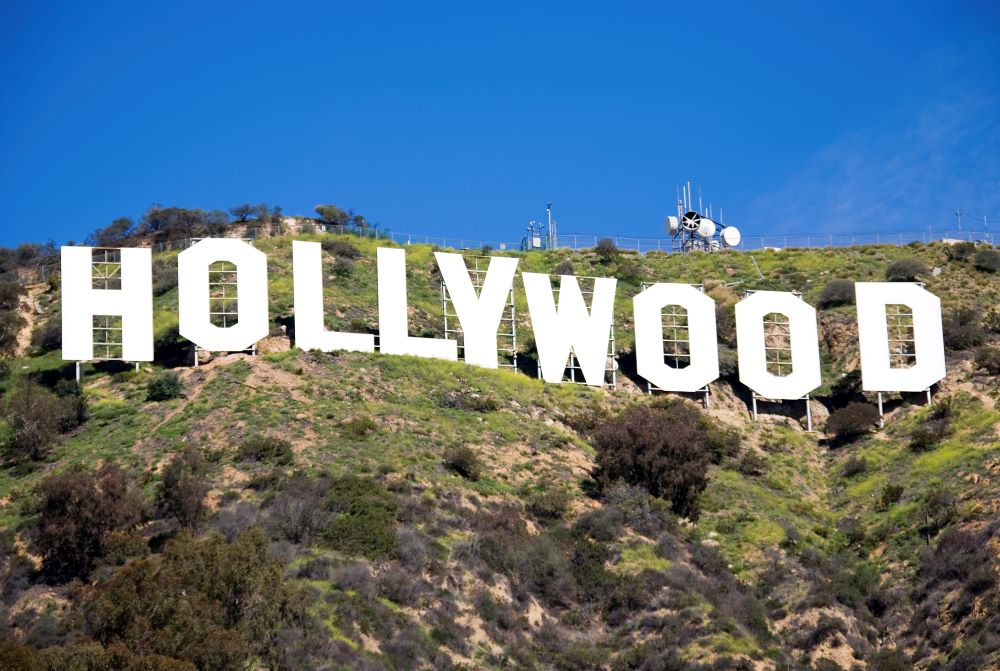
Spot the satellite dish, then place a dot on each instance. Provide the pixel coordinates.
(690, 221)
(673, 225)
(706, 228)
(731, 236)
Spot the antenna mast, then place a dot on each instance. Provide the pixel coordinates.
(553, 239)
(695, 230)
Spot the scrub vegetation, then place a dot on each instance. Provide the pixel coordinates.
(301, 510)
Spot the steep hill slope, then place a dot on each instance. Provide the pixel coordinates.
(299, 510)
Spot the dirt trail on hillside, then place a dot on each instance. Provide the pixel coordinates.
(263, 375)
(28, 309)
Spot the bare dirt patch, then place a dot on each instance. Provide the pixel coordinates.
(29, 308)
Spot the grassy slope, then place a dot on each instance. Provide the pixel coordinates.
(528, 444)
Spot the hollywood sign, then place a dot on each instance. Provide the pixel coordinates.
(562, 327)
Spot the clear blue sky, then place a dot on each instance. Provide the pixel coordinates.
(453, 119)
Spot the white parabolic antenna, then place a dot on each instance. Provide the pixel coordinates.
(730, 236)
(691, 221)
(673, 225)
(706, 228)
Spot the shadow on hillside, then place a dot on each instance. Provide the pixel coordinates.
(288, 322)
(628, 368)
(793, 409)
(527, 364)
(50, 376)
(894, 400)
(67, 371)
(172, 351)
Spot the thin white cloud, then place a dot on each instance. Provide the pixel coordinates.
(909, 178)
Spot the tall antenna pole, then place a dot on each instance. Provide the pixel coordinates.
(700, 210)
(552, 236)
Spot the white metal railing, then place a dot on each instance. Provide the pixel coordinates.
(784, 241)
(42, 272)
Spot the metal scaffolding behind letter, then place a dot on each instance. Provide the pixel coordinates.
(507, 332)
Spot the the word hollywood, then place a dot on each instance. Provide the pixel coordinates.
(560, 328)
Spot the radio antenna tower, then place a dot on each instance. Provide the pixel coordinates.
(693, 230)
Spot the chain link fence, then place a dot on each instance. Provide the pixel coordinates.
(43, 272)
(789, 241)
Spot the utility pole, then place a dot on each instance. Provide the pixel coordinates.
(552, 228)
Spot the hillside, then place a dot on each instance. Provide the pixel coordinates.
(299, 510)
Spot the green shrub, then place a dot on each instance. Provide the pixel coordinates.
(17, 657)
(936, 426)
(541, 566)
(854, 466)
(47, 336)
(960, 251)
(466, 401)
(906, 270)
(988, 358)
(549, 504)
(342, 249)
(836, 292)
(629, 270)
(987, 260)
(360, 426)
(923, 440)
(751, 464)
(344, 267)
(937, 511)
(183, 488)
(11, 321)
(725, 324)
(606, 250)
(826, 628)
(10, 296)
(164, 386)
(603, 524)
(119, 547)
(664, 449)
(852, 580)
(74, 402)
(991, 320)
(890, 495)
(164, 275)
(852, 529)
(207, 602)
(267, 449)
(464, 461)
(297, 513)
(851, 422)
(729, 363)
(565, 267)
(77, 512)
(646, 514)
(34, 416)
(889, 660)
(364, 521)
(963, 328)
